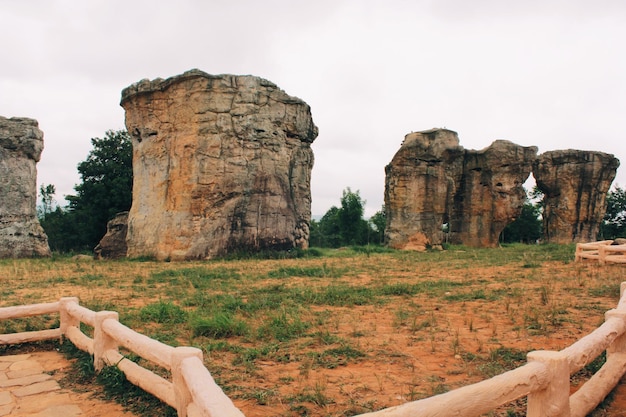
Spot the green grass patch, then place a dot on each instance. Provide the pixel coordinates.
(163, 312)
(199, 277)
(501, 360)
(220, 325)
(322, 271)
(114, 383)
(283, 327)
(339, 356)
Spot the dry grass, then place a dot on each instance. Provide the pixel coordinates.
(344, 333)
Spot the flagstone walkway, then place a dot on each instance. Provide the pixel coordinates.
(29, 387)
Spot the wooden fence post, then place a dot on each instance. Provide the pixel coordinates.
(102, 341)
(577, 253)
(65, 319)
(601, 255)
(554, 400)
(181, 391)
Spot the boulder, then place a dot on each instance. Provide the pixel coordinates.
(221, 163)
(113, 244)
(21, 144)
(575, 184)
(432, 182)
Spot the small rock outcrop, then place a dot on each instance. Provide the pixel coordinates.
(221, 163)
(113, 244)
(432, 181)
(21, 144)
(575, 184)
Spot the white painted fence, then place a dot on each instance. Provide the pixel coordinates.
(603, 251)
(545, 379)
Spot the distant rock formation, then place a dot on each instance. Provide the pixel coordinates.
(21, 144)
(432, 181)
(420, 184)
(113, 244)
(221, 163)
(490, 193)
(575, 184)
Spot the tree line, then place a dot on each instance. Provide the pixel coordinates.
(106, 189)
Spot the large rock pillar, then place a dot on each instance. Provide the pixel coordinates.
(21, 144)
(490, 192)
(221, 163)
(419, 184)
(432, 181)
(575, 184)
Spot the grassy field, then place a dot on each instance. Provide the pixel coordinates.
(340, 332)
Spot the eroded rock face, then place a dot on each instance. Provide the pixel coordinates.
(220, 163)
(21, 144)
(433, 181)
(113, 244)
(575, 184)
(490, 193)
(420, 183)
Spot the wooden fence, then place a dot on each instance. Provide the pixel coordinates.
(191, 390)
(603, 251)
(545, 379)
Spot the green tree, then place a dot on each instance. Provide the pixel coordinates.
(46, 193)
(327, 232)
(105, 190)
(344, 225)
(62, 230)
(353, 227)
(527, 228)
(614, 224)
(379, 222)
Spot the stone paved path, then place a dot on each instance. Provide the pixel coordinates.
(29, 388)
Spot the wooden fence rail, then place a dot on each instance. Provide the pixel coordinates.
(604, 251)
(191, 390)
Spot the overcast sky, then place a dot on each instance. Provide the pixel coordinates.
(535, 72)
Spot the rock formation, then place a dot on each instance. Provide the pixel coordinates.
(432, 181)
(419, 188)
(113, 244)
(490, 193)
(21, 144)
(575, 184)
(220, 163)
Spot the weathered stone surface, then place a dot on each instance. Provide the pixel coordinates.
(420, 183)
(575, 184)
(432, 181)
(113, 244)
(220, 163)
(490, 193)
(21, 144)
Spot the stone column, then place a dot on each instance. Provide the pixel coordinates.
(490, 193)
(21, 144)
(221, 163)
(419, 184)
(575, 184)
(432, 181)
